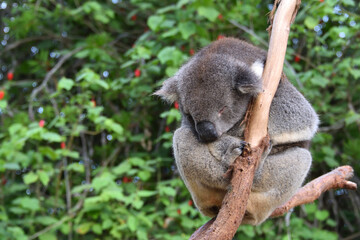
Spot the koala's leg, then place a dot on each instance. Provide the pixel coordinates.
(202, 167)
(278, 179)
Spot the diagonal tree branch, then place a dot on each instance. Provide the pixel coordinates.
(312, 191)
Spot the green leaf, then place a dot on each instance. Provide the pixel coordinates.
(12, 166)
(144, 175)
(170, 33)
(146, 193)
(311, 22)
(51, 137)
(122, 168)
(65, 83)
(17, 233)
(111, 125)
(210, 13)
(68, 153)
(44, 177)
(154, 22)
(348, 3)
(248, 230)
(103, 181)
(168, 191)
(187, 29)
(102, 83)
(84, 228)
(331, 162)
(310, 208)
(107, 223)
(49, 152)
(351, 118)
(355, 73)
(48, 236)
(132, 223)
(135, 161)
(96, 228)
(170, 55)
(32, 204)
(319, 80)
(76, 167)
(46, 220)
(30, 177)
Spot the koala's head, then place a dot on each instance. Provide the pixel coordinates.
(214, 88)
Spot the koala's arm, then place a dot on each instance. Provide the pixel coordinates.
(202, 167)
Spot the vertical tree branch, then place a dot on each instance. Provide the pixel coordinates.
(243, 169)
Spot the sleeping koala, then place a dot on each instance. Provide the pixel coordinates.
(213, 90)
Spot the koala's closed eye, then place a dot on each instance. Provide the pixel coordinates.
(221, 111)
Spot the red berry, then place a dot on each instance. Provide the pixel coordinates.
(63, 145)
(41, 123)
(137, 72)
(2, 94)
(176, 105)
(93, 102)
(220, 17)
(321, 0)
(126, 179)
(133, 17)
(190, 203)
(3, 181)
(297, 58)
(220, 37)
(192, 52)
(167, 129)
(179, 211)
(10, 76)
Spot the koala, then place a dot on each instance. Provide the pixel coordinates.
(213, 90)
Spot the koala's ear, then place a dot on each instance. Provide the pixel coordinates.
(248, 80)
(168, 90)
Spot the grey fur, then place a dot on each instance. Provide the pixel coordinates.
(215, 88)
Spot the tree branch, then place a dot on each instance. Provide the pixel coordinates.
(337, 178)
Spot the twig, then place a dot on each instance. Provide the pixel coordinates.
(249, 31)
(337, 178)
(67, 185)
(351, 237)
(48, 228)
(71, 215)
(48, 76)
(26, 40)
(86, 159)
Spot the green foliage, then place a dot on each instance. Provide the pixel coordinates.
(100, 165)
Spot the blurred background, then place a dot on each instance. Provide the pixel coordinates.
(85, 150)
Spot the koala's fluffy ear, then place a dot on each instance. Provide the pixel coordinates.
(168, 90)
(248, 80)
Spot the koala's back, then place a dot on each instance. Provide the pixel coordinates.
(292, 118)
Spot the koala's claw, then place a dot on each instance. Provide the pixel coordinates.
(234, 151)
(242, 146)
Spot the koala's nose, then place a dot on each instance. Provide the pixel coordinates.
(207, 131)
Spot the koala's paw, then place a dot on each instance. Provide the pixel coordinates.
(234, 150)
